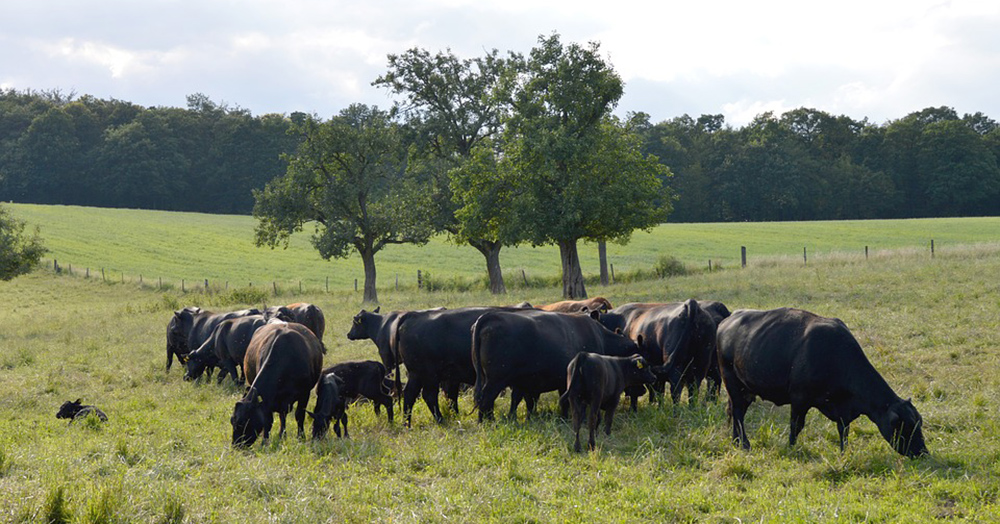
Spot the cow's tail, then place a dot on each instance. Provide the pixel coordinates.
(394, 348)
(576, 381)
(477, 391)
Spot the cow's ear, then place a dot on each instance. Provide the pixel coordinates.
(77, 401)
(377, 308)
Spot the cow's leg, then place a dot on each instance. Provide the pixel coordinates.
(387, 401)
(451, 392)
(487, 399)
(515, 399)
(609, 415)
(282, 414)
(739, 400)
(563, 406)
(530, 401)
(843, 427)
(593, 418)
(430, 393)
(798, 421)
(300, 414)
(268, 423)
(692, 387)
(343, 419)
(410, 392)
(577, 408)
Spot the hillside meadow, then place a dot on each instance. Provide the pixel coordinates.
(931, 326)
(171, 247)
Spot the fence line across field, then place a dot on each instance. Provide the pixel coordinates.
(420, 275)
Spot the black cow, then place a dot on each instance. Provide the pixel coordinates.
(282, 365)
(190, 327)
(596, 382)
(791, 356)
(75, 410)
(378, 328)
(434, 347)
(225, 348)
(309, 315)
(678, 336)
(529, 351)
(331, 405)
(364, 378)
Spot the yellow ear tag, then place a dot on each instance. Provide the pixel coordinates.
(638, 364)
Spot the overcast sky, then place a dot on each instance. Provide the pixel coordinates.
(865, 58)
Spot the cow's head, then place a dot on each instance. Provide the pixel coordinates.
(280, 313)
(194, 365)
(69, 409)
(639, 372)
(329, 404)
(178, 328)
(362, 323)
(903, 429)
(248, 420)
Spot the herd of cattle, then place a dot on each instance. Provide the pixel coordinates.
(586, 350)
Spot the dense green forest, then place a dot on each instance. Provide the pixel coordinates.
(805, 164)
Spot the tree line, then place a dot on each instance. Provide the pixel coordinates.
(496, 150)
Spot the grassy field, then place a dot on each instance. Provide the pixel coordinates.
(195, 247)
(931, 326)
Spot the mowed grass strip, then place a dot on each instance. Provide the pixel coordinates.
(931, 327)
(194, 247)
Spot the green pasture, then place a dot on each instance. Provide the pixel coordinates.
(931, 326)
(193, 247)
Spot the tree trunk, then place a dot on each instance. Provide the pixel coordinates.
(573, 287)
(602, 254)
(491, 250)
(368, 258)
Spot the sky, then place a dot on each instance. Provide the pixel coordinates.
(872, 59)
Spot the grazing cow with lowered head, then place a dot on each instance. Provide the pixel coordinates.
(309, 315)
(282, 365)
(678, 336)
(75, 410)
(226, 348)
(529, 350)
(331, 406)
(364, 378)
(596, 382)
(578, 306)
(190, 327)
(791, 356)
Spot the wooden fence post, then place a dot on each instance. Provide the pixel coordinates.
(743, 255)
(88, 272)
(524, 277)
(397, 281)
(612, 273)
(182, 286)
(355, 285)
(932, 248)
(328, 283)
(55, 265)
(420, 280)
(275, 286)
(300, 287)
(866, 252)
(140, 279)
(805, 260)
(710, 265)
(103, 279)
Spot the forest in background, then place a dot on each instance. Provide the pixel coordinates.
(805, 164)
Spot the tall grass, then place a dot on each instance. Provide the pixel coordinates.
(930, 326)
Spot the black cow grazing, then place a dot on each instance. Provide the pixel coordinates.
(529, 351)
(596, 382)
(190, 327)
(434, 347)
(791, 356)
(364, 378)
(282, 365)
(678, 336)
(331, 405)
(75, 411)
(309, 315)
(226, 348)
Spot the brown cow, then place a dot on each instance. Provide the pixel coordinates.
(576, 306)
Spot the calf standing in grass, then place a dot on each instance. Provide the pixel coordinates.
(595, 382)
(331, 406)
(364, 378)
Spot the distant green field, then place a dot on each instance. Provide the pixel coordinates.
(195, 247)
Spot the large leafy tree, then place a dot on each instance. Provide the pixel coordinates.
(349, 177)
(451, 104)
(19, 251)
(581, 172)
